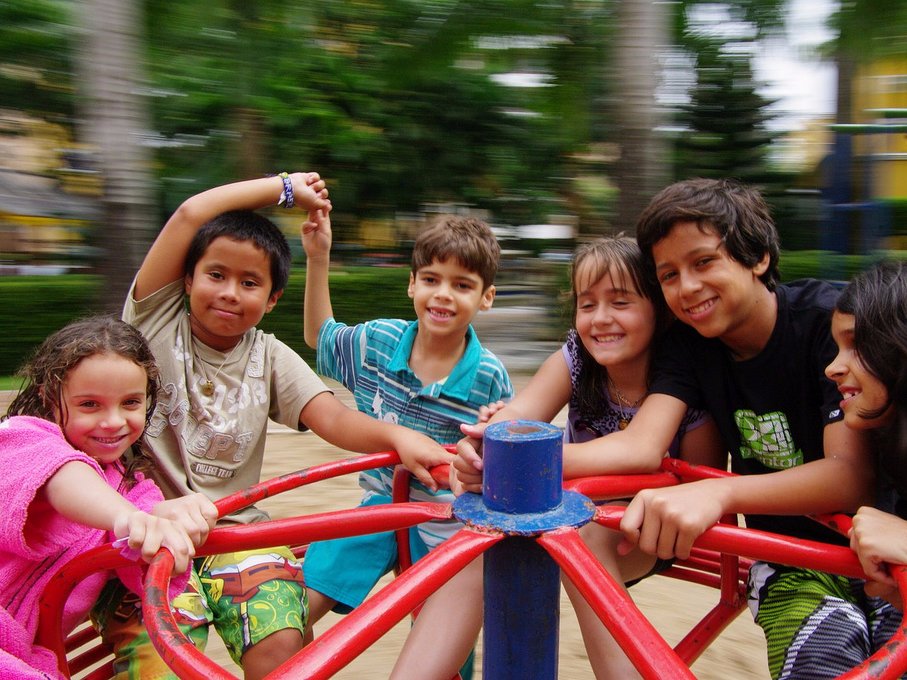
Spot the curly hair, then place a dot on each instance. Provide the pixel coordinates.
(45, 372)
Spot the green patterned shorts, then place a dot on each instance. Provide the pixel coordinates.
(253, 594)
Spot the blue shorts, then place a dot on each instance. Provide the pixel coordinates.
(346, 569)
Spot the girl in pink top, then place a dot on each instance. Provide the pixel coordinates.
(71, 481)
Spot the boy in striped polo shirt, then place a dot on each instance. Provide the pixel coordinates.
(431, 375)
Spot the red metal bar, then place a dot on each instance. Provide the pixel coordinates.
(890, 662)
(339, 645)
(90, 657)
(50, 607)
(639, 639)
(336, 647)
(707, 630)
(619, 486)
(322, 526)
(400, 494)
(309, 475)
(761, 545)
(177, 651)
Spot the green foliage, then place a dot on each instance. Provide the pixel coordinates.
(725, 120)
(36, 42)
(32, 307)
(391, 102)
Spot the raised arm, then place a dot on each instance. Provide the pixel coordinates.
(165, 260)
(316, 240)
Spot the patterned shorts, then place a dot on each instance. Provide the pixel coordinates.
(247, 595)
(816, 625)
(253, 594)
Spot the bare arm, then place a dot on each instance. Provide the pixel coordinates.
(638, 449)
(77, 492)
(165, 260)
(704, 446)
(316, 239)
(667, 521)
(348, 429)
(544, 396)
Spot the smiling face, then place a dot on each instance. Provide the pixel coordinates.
(862, 393)
(229, 292)
(707, 289)
(103, 406)
(614, 322)
(447, 296)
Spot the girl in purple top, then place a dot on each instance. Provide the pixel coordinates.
(69, 449)
(602, 374)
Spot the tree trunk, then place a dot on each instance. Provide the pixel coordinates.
(114, 122)
(643, 166)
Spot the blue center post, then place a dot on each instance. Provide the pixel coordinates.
(522, 496)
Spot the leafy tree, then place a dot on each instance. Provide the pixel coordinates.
(724, 123)
(36, 39)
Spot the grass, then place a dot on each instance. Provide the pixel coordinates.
(9, 382)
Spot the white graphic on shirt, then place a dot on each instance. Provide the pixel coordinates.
(768, 439)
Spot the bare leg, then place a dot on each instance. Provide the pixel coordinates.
(319, 605)
(261, 659)
(446, 629)
(607, 658)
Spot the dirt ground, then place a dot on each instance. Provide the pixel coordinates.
(672, 606)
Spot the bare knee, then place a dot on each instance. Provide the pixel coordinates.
(263, 657)
(319, 605)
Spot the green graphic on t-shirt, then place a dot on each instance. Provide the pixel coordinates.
(768, 439)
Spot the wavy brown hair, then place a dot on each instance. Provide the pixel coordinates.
(44, 373)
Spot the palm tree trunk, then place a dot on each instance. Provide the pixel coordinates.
(643, 165)
(115, 123)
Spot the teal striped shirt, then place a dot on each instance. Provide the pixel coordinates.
(372, 361)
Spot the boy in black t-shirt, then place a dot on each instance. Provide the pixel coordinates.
(753, 353)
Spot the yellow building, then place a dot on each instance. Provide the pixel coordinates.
(880, 99)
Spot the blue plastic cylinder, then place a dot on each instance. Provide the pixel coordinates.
(524, 466)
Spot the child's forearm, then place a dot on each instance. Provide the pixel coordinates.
(317, 307)
(612, 454)
(77, 492)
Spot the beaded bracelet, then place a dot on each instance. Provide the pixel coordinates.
(286, 196)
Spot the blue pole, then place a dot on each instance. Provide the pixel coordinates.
(523, 475)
